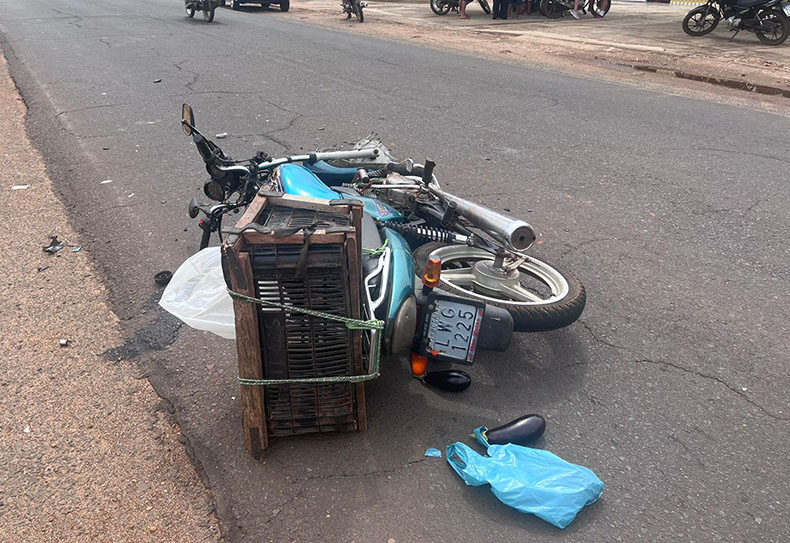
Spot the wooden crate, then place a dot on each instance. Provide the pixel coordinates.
(306, 253)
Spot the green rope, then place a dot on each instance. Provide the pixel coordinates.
(377, 252)
(351, 324)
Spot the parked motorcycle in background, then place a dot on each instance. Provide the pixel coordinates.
(553, 9)
(443, 7)
(768, 19)
(354, 7)
(206, 6)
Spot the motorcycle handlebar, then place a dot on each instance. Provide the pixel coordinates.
(314, 157)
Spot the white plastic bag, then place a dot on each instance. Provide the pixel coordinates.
(197, 294)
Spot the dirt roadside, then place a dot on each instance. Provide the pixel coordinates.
(87, 451)
(640, 45)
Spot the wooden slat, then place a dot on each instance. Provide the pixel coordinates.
(249, 355)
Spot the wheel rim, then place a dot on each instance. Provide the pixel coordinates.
(471, 270)
(701, 21)
(773, 25)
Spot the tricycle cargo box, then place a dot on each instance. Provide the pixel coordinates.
(300, 253)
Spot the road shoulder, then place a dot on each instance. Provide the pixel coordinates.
(89, 452)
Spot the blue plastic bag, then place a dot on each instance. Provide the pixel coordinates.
(529, 480)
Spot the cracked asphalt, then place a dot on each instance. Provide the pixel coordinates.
(673, 211)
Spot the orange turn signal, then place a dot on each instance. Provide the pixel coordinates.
(431, 277)
(419, 364)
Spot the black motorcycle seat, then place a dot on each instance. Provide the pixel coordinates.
(749, 3)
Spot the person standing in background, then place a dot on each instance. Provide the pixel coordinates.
(462, 9)
(500, 9)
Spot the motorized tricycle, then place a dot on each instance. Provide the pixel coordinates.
(447, 276)
(206, 6)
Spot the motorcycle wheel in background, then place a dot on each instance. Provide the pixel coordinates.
(780, 27)
(190, 10)
(285, 5)
(541, 298)
(358, 10)
(440, 7)
(597, 10)
(700, 21)
(485, 6)
(551, 9)
(208, 11)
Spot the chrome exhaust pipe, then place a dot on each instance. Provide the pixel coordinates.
(515, 234)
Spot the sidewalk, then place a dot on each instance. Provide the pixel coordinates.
(646, 35)
(87, 451)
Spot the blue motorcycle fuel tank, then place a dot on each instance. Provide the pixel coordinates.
(300, 181)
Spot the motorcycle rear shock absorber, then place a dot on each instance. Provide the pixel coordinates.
(422, 233)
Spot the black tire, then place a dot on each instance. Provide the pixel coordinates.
(190, 11)
(551, 9)
(285, 5)
(208, 12)
(597, 11)
(234, 5)
(485, 6)
(781, 27)
(534, 318)
(440, 7)
(700, 21)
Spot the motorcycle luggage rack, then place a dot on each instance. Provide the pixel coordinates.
(305, 253)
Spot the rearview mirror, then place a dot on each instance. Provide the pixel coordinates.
(187, 119)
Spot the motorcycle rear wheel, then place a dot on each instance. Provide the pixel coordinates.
(545, 297)
(550, 9)
(358, 10)
(440, 7)
(485, 6)
(190, 10)
(781, 25)
(597, 10)
(700, 21)
(285, 5)
(208, 12)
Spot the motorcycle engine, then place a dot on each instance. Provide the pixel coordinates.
(400, 197)
(733, 22)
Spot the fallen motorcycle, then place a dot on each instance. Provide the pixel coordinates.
(206, 6)
(447, 276)
(354, 7)
(768, 19)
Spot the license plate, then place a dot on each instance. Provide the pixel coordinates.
(452, 328)
(786, 8)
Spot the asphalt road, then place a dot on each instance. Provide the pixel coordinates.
(672, 211)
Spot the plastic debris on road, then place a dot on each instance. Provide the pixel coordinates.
(434, 453)
(20, 187)
(198, 296)
(528, 480)
(222, 136)
(54, 246)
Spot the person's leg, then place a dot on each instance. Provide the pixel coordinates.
(575, 10)
(503, 6)
(496, 9)
(462, 9)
